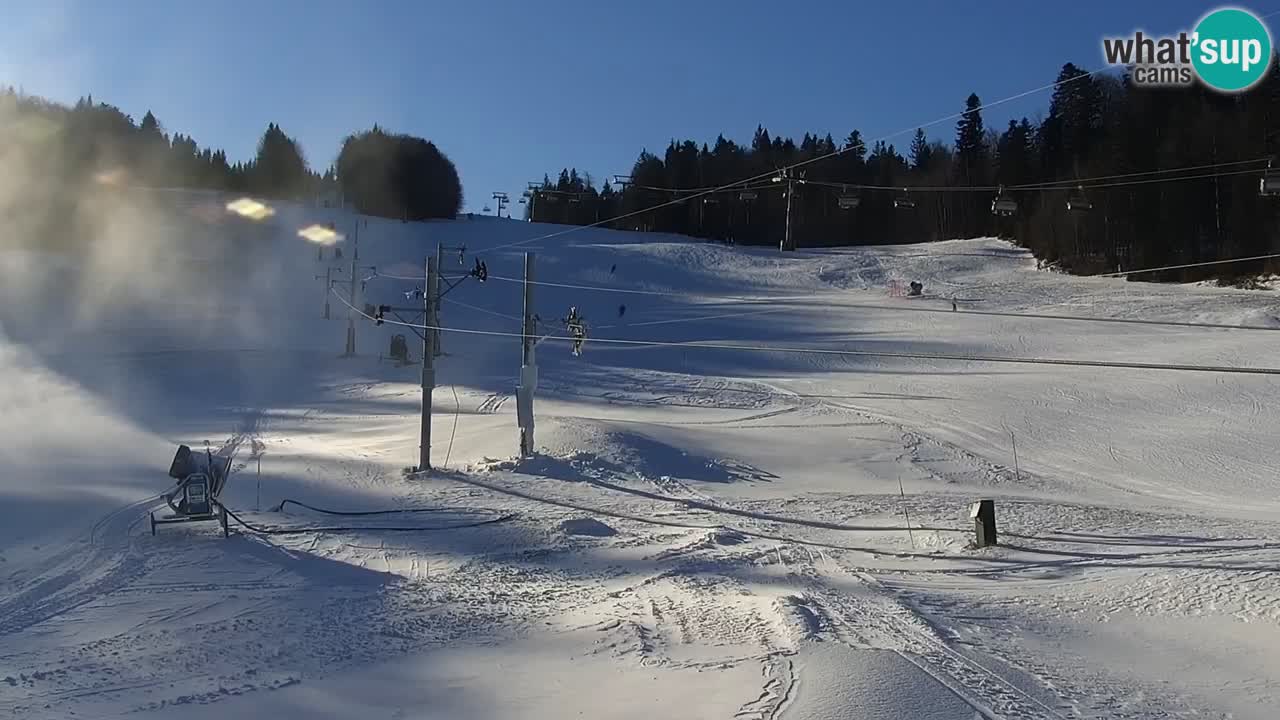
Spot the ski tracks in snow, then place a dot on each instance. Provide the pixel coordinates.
(108, 561)
(492, 404)
(78, 574)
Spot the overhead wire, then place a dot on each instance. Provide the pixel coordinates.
(944, 357)
(1140, 271)
(1053, 185)
(1161, 171)
(839, 151)
(832, 298)
(486, 311)
(1156, 181)
(700, 318)
(706, 188)
(457, 408)
(623, 291)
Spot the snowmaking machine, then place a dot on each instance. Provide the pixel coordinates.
(200, 479)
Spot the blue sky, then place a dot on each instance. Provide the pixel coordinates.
(514, 89)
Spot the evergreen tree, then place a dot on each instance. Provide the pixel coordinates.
(279, 169)
(971, 165)
(921, 153)
(971, 149)
(398, 176)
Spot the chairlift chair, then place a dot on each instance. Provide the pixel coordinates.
(904, 201)
(1003, 205)
(848, 200)
(1077, 202)
(1269, 185)
(747, 195)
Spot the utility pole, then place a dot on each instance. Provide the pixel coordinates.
(786, 238)
(785, 175)
(328, 288)
(528, 368)
(351, 295)
(433, 318)
(533, 190)
(428, 364)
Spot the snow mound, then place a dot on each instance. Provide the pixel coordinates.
(802, 617)
(587, 526)
(725, 536)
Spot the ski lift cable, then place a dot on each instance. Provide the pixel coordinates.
(802, 163)
(946, 357)
(737, 187)
(1064, 185)
(1140, 271)
(833, 299)
(1154, 181)
(1070, 184)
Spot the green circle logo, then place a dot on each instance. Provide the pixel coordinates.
(1232, 50)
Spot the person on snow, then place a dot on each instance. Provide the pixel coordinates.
(577, 330)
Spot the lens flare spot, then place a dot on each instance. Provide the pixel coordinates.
(113, 178)
(320, 235)
(250, 208)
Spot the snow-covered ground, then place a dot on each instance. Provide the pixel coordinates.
(704, 532)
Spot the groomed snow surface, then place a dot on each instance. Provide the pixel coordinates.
(703, 533)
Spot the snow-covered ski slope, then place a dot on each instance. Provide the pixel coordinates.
(706, 531)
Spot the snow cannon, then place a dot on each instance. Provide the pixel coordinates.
(194, 498)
